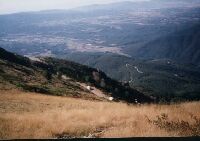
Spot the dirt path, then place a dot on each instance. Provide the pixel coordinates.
(95, 91)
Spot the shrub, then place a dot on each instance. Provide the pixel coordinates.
(183, 128)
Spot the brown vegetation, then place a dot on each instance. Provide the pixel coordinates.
(30, 115)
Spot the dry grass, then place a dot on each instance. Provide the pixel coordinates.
(29, 115)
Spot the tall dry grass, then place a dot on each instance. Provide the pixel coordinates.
(29, 115)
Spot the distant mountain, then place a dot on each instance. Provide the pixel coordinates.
(120, 28)
(59, 77)
(182, 46)
(138, 5)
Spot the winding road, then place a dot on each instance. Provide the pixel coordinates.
(135, 68)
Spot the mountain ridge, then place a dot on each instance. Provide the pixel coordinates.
(47, 75)
(182, 46)
(162, 78)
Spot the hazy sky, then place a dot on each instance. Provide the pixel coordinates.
(12, 6)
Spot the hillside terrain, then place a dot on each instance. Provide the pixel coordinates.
(25, 115)
(59, 77)
(182, 46)
(146, 35)
(163, 78)
(121, 69)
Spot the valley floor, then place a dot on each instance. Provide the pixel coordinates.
(31, 115)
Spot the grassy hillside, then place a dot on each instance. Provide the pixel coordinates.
(19, 72)
(59, 77)
(31, 115)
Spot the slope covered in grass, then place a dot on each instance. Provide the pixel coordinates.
(31, 115)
